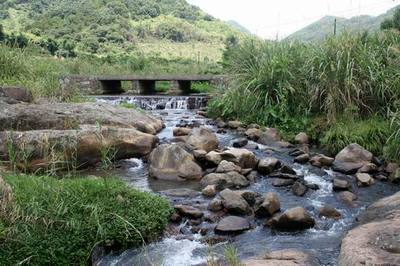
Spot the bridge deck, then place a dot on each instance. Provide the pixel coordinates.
(152, 78)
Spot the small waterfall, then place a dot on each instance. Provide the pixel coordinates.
(158, 102)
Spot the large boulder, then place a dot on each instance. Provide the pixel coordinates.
(321, 160)
(226, 167)
(348, 197)
(232, 224)
(364, 180)
(268, 165)
(302, 159)
(299, 189)
(189, 211)
(293, 219)
(234, 202)
(242, 157)
(235, 124)
(340, 184)
(395, 178)
(352, 158)
(376, 241)
(41, 149)
(203, 139)
(329, 212)
(286, 257)
(270, 136)
(173, 162)
(269, 206)
(13, 95)
(65, 116)
(213, 157)
(253, 133)
(225, 180)
(181, 131)
(302, 138)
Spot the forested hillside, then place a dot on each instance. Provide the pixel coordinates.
(168, 28)
(324, 27)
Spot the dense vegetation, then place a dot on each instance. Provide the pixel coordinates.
(323, 28)
(346, 89)
(59, 222)
(392, 22)
(39, 72)
(120, 26)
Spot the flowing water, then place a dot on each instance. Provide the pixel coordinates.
(183, 248)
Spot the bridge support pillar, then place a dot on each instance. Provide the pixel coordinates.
(147, 87)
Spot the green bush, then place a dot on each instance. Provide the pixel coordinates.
(372, 134)
(392, 149)
(202, 87)
(289, 84)
(58, 222)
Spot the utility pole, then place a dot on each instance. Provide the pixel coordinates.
(334, 27)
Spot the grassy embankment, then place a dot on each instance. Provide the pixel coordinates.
(344, 90)
(49, 221)
(58, 222)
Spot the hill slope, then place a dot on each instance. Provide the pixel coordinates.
(238, 26)
(324, 27)
(166, 28)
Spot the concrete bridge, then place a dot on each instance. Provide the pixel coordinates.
(141, 84)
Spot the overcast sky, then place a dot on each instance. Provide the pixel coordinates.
(269, 18)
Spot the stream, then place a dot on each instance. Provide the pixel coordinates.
(183, 246)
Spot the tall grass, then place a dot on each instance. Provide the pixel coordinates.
(289, 84)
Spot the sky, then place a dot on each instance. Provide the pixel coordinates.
(273, 19)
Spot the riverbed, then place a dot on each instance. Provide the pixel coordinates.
(182, 245)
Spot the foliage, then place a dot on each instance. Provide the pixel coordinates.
(39, 72)
(392, 149)
(117, 26)
(392, 23)
(128, 105)
(289, 84)
(371, 134)
(60, 221)
(202, 87)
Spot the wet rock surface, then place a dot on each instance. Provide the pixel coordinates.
(286, 257)
(309, 223)
(232, 224)
(173, 162)
(351, 159)
(64, 116)
(376, 241)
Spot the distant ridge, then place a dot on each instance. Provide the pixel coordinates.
(322, 28)
(239, 27)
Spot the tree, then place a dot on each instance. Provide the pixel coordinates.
(392, 23)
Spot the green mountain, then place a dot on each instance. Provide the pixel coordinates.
(163, 28)
(325, 27)
(239, 27)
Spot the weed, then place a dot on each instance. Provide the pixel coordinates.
(11, 152)
(231, 256)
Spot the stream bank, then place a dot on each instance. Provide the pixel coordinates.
(192, 235)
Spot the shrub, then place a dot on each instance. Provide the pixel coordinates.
(58, 222)
(372, 134)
